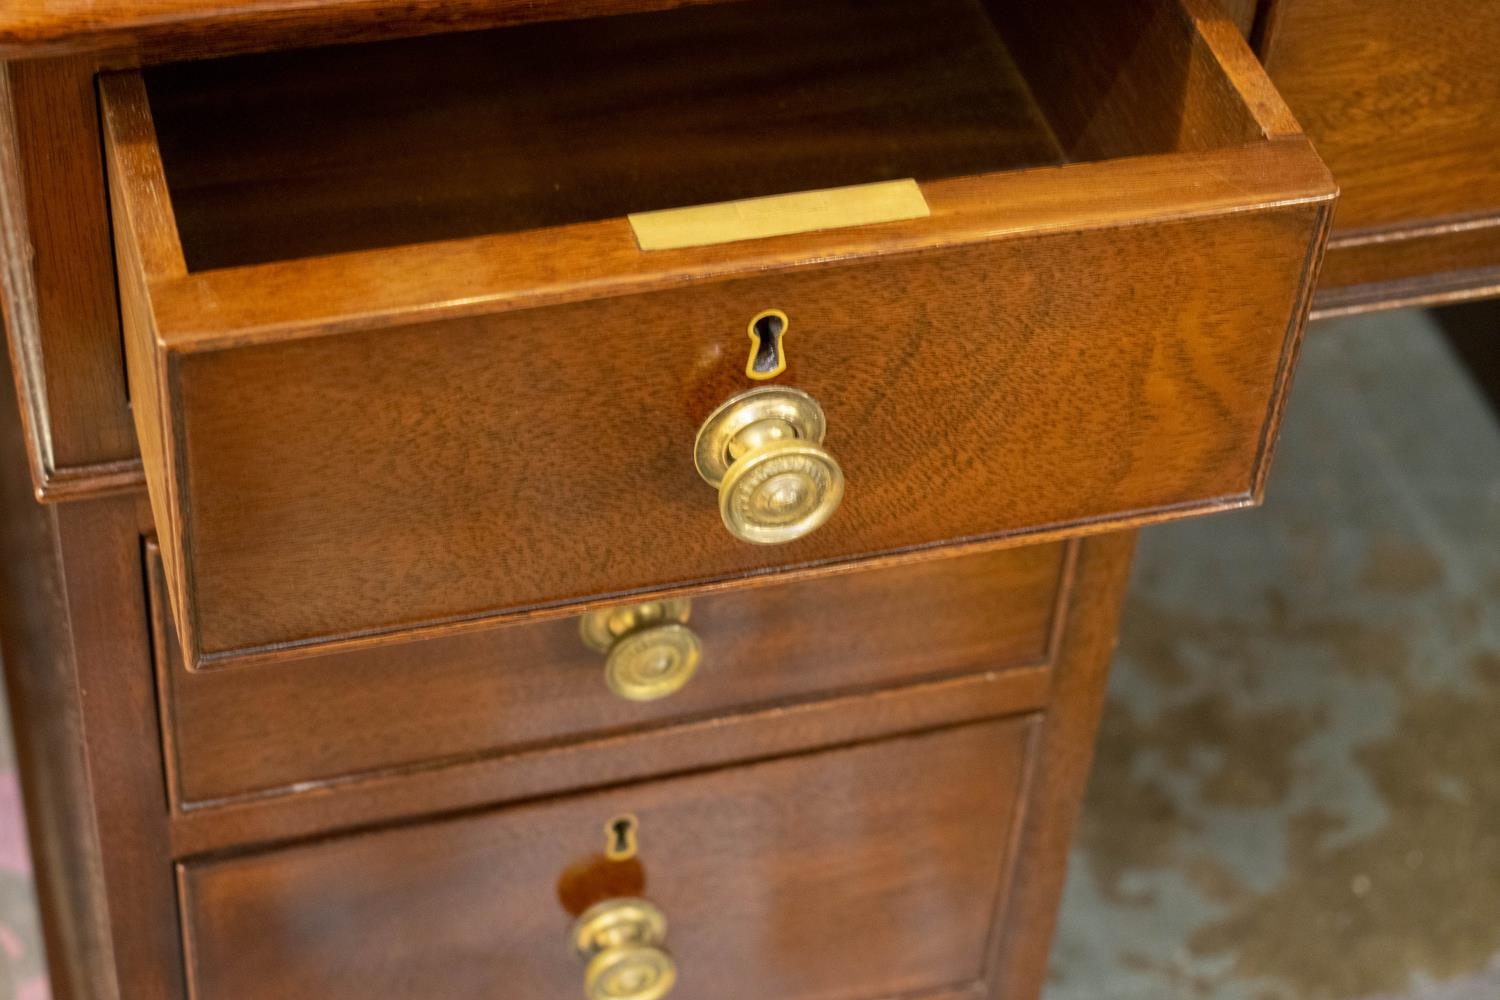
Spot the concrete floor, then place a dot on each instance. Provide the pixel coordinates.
(1297, 790)
(1297, 793)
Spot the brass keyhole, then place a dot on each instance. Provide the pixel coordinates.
(767, 353)
(621, 838)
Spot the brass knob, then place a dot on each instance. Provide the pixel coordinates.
(650, 651)
(764, 451)
(620, 942)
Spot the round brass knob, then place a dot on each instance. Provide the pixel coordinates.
(650, 652)
(763, 450)
(620, 942)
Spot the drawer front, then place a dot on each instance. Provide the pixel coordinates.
(1400, 99)
(345, 448)
(856, 874)
(520, 460)
(339, 715)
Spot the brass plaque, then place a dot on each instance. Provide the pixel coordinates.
(779, 215)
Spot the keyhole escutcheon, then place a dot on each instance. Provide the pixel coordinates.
(620, 838)
(767, 347)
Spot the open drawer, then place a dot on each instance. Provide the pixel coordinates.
(411, 344)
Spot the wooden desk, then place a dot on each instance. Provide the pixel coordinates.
(1400, 99)
(438, 590)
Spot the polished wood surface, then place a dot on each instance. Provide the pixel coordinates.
(41, 698)
(1414, 140)
(314, 515)
(293, 511)
(1097, 577)
(131, 32)
(57, 283)
(77, 657)
(387, 475)
(480, 782)
(1430, 265)
(1022, 938)
(295, 476)
(295, 154)
(864, 872)
(1400, 99)
(1125, 79)
(507, 690)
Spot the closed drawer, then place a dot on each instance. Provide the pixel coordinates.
(859, 873)
(1400, 99)
(399, 362)
(278, 727)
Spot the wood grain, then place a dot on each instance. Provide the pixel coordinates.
(503, 691)
(848, 873)
(57, 284)
(287, 155)
(1429, 265)
(146, 248)
(1085, 637)
(320, 296)
(41, 693)
(295, 154)
(1400, 99)
(1044, 421)
(272, 473)
(485, 781)
(1125, 79)
(280, 501)
(139, 32)
(77, 660)
(1023, 935)
(389, 450)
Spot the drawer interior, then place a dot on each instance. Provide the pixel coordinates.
(296, 154)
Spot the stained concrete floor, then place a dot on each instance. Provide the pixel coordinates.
(1297, 789)
(1297, 793)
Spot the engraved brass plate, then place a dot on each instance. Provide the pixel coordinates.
(779, 215)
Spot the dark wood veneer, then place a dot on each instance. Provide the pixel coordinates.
(392, 458)
(1401, 100)
(57, 283)
(346, 448)
(294, 154)
(504, 691)
(860, 872)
